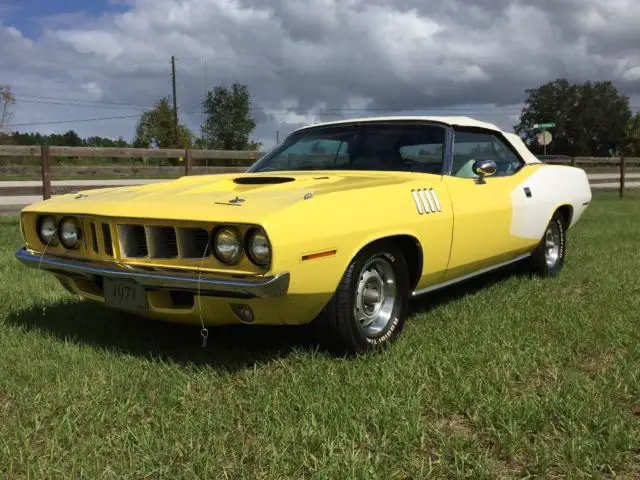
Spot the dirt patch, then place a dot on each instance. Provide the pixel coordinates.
(542, 376)
(503, 469)
(456, 424)
(595, 365)
(575, 291)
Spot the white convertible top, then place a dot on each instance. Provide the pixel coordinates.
(460, 121)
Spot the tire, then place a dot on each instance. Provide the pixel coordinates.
(338, 325)
(547, 259)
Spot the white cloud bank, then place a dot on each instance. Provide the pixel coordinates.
(301, 54)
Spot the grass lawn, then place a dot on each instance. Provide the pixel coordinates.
(503, 377)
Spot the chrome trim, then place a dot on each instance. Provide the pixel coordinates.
(250, 286)
(435, 199)
(426, 200)
(484, 168)
(425, 203)
(432, 204)
(416, 199)
(468, 276)
(448, 152)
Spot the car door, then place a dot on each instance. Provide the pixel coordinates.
(482, 210)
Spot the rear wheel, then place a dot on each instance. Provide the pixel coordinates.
(369, 307)
(548, 258)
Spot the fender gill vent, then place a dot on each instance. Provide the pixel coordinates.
(426, 200)
(262, 180)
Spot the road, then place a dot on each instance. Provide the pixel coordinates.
(80, 183)
(12, 203)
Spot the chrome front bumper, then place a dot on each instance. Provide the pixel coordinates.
(246, 287)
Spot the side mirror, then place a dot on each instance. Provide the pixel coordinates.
(484, 168)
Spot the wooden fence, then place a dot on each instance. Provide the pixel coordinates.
(223, 158)
(242, 159)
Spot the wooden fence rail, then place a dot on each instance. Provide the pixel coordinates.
(224, 158)
(234, 158)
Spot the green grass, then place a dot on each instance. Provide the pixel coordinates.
(503, 377)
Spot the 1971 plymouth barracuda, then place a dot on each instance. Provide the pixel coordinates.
(339, 226)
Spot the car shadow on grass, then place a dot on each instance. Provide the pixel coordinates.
(231, 348)
(425, 303)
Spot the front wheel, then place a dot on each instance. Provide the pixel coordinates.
(548, 258)
(369, 306)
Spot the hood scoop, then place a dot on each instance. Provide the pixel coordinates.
(262, 180)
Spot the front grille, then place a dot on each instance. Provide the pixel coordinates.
(154, 242)
(194, 242)
(106, 236)
(162, 242)
(94, 237)
(133, 241)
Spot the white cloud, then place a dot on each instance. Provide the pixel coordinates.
(100, 44)
(303, 57)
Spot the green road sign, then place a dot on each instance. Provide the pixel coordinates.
(544, 125)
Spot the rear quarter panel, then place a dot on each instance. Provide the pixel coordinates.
(551, 186)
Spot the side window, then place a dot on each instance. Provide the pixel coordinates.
(471, 146)
(427, 157)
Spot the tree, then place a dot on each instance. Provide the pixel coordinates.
(632, 147)
(7, 99)
(229, 122)
(156, 129)
(591, 118)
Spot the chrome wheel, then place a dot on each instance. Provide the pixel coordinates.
(552, 244)
(375, 296)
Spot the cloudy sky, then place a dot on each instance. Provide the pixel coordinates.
(92, 59)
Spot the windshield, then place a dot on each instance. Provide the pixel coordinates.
(387, 147)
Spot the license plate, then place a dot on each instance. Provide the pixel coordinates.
(125, 295)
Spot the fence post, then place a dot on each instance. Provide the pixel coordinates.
(622, 171)
(46, 173)
(187, 162)
(573, 161)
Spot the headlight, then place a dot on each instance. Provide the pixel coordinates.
(70, 232)
(226, 245)
(258, 248)
(47, 230)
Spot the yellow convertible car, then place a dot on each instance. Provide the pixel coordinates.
(339, 225)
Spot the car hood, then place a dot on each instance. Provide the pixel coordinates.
(222, 197)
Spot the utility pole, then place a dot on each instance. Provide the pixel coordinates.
(175, 100)
(206, 94)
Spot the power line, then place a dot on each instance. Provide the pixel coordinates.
(80, 100)
(470, 110)
(68, 104)
(82, 120)
(398, 107)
